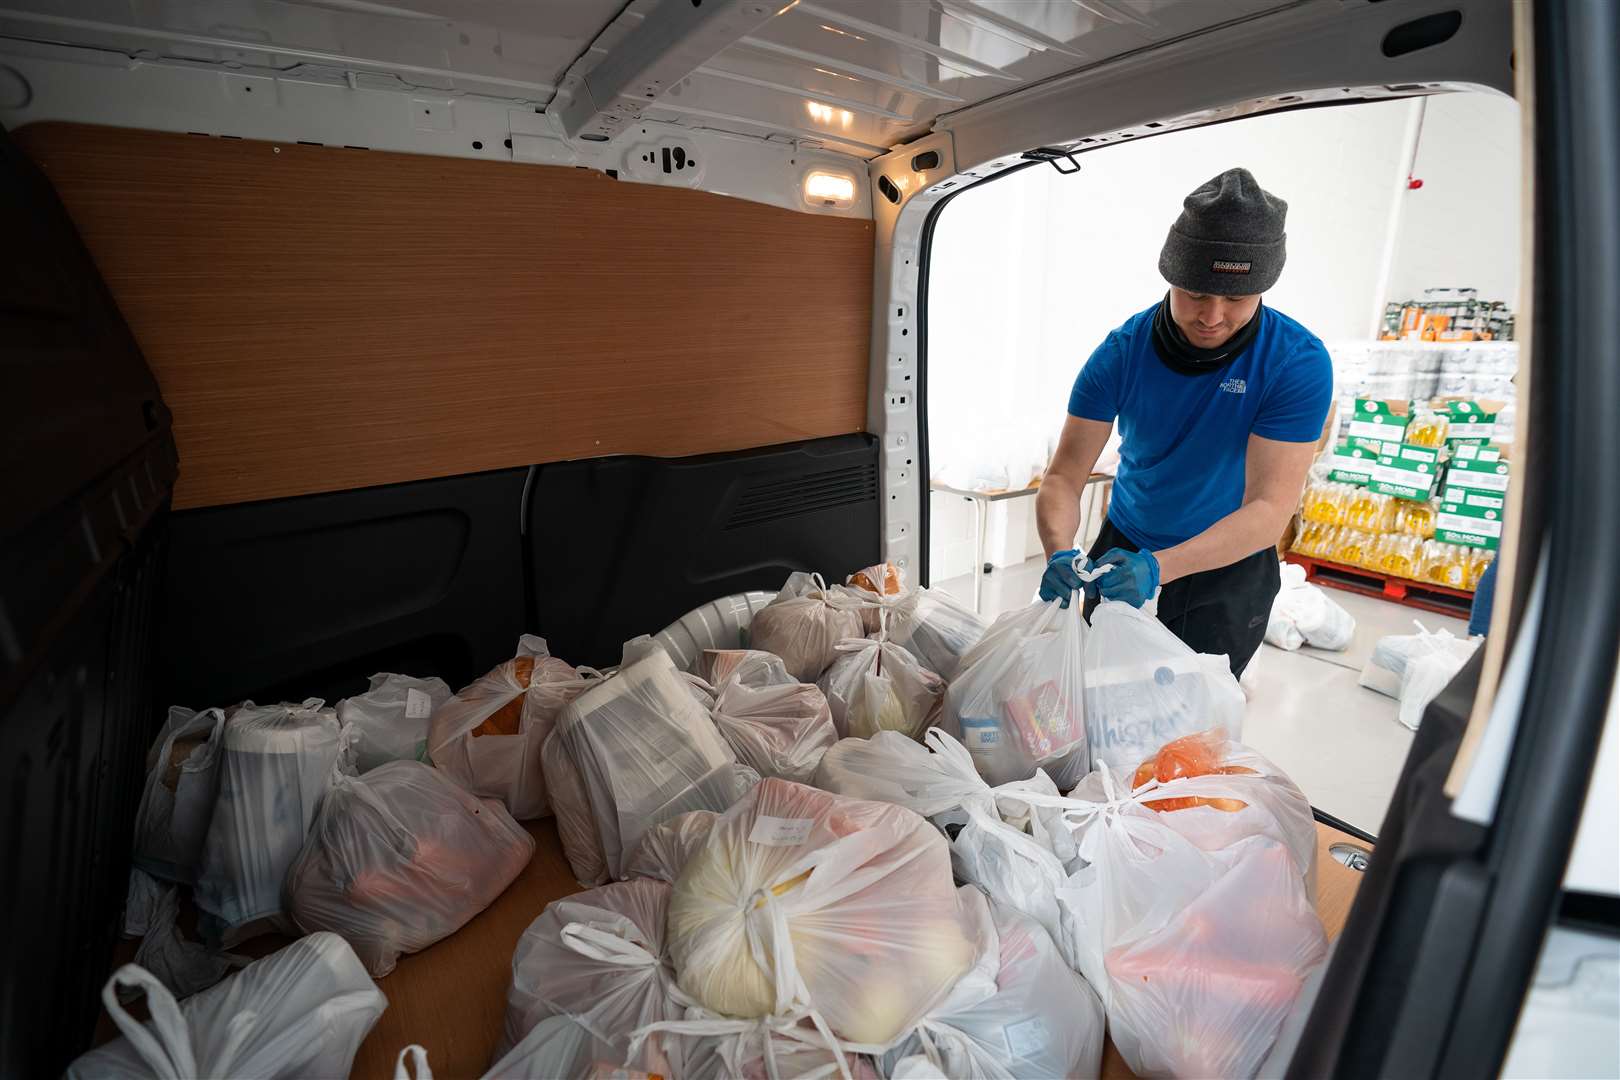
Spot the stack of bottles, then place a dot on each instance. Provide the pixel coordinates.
(1429, 429)
(1352, 526)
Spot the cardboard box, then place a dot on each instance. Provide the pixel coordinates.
(1379, 421)
(1352, 464)
(1470, 422)
(1410, 472)
(1470, 521)
(1478, 473)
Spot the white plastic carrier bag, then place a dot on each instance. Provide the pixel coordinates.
(936, 628)
(300, 1012)
(183, 964)
(1427, 674)
(805, 623)
(1029, 1016)
(776, 730)
(875, 685)
(750, 667)
(391, 718)
(489, 737)
(802, 903)
(664, 849)
(400, 858)
(177, 804)
(1303, 614)
(1018, 703)
(633, 751)
(277, 763)
(1145, 687)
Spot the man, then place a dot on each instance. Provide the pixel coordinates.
(1220, 401)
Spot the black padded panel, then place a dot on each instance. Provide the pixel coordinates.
(293, 598)
(623, 546)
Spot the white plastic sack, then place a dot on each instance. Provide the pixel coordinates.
(775, 730)
(664, 849)
(1302, 613)
(182, 785)
(1018, 703)
(805, 623)
(489, 737)
(805, 901)
(633, 751)
(1034, 1018)
(1145, 687)
(300, 1012)
(599, 959)
(400, 858)
(875, 685)
(1387, 664)
(1429, 673)
(936, 628)
(183, 965)
(277, 763)
(750, 667)
(391, 718)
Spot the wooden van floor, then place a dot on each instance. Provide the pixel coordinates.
(451, 997)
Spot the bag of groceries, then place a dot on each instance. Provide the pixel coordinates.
(751, 667)
(936, 628)
(391, 718)
(1303, 614)
(277, 762)
(488, 737)
(789, 908)
(400, 858)
(664, 849)
(776, 730)
(1018, 703)
(302, 1011)
(1023, 1015)
(1144, 687)
(875, 685)
(805, 623)
(182, 784)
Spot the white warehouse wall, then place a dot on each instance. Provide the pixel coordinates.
(1029, 273)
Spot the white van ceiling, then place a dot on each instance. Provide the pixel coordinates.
(855, 76)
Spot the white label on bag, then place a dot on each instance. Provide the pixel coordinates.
(980, 736)
(780, 831)
(417, 704)
(1027, 1038)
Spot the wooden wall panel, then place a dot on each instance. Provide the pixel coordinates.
(323, 318)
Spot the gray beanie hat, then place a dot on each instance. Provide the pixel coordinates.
(1228, 240)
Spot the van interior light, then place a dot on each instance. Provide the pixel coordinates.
(826, 114)
(825, 187)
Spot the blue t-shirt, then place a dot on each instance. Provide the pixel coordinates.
(1184, 438)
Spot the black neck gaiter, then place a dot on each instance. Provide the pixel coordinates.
(1185, 358)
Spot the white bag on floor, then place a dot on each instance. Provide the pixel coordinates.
(664, 849)
(875, 685)
(1429, 673)
(1303, 614)
(599, 959)
(805, 623)
(1386, 666)
(182, 785)
(300, 1012)
(775, 730)
(1018, 703)
(277, 763)
(400, 858)
(391, 718)
(1035, 1019)
(1145, 687)
(937, 629)
(633, 751)
(489, 737)
(803, 900)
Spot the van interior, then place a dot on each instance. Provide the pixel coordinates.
(344, 337)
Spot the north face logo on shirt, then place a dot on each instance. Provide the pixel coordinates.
(1225, 266)
(1234, 386)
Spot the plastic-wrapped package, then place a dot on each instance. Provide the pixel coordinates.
(936, 628)
(1302, 613)
(801, 899)
(775, 730)
(750, 667)
(1216, 792)
(182, 784)
(489, 737)
(1032, 1018)
(1205, 993)
(599, 959)
(633, 751)
(665, 848)
(400, 858)
(1144, 687)
(805, 623)
(1018, 702)
(277, 763)
(875, 685)
(391, 718)
(302, 1011)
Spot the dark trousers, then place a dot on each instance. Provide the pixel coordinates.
(1218, 611)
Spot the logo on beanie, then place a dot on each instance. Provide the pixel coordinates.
(1222, 266)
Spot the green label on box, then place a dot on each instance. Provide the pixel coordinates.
(1472, 503)
(1376, 420)
(1469, 424)
(1406, 472)
(1478, 473)
(1350, 464)
(1474, 452)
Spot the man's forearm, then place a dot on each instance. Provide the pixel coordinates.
(1250, 528)
(1057, 513)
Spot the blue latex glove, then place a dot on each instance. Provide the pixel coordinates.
(1060, 582)
(1134, 577)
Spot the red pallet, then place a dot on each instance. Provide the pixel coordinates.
(1419, 594)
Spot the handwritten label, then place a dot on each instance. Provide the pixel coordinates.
(417, 704)
(780, 831)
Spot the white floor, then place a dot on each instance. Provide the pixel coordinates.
(1339, 741)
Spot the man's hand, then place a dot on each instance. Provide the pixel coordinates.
(1134, 577)
(1061, 580)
